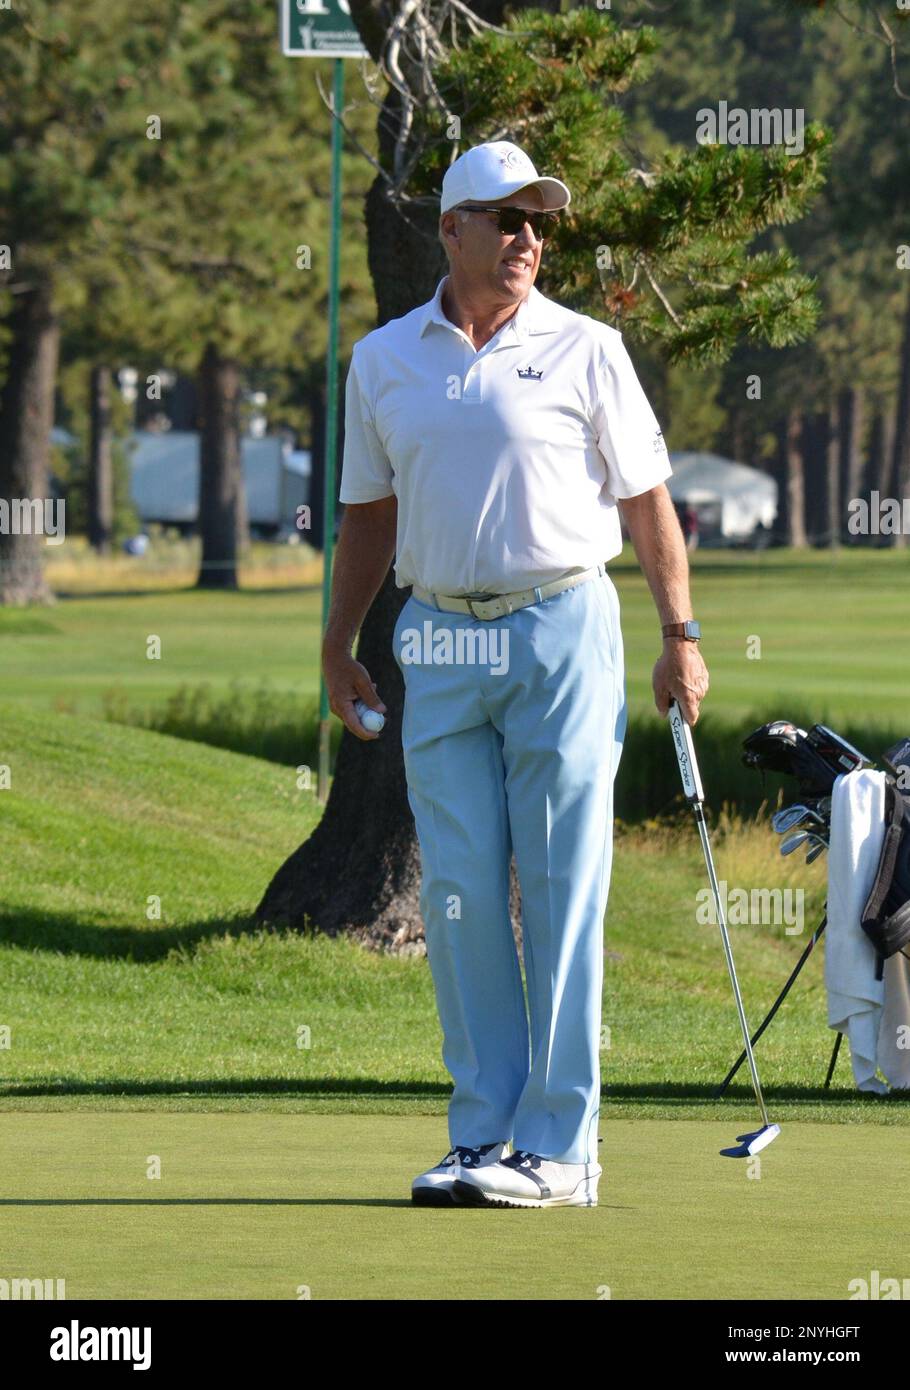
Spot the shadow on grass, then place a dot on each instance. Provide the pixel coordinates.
(668, 1093)
(237, 1086)
(663, 1094)
(210, 1202)
(73, 934)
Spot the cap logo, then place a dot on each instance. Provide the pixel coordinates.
(512, 159)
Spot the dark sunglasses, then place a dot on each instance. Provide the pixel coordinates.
(511, 220)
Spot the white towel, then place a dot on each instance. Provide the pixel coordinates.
(873, 1013)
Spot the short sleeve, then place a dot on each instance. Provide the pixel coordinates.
(366, 473)
(628, 434)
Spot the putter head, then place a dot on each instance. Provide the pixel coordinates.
(750, 1144)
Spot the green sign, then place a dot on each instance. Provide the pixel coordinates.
(319, 29)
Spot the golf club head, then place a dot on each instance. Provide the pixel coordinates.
(818, 848)
(816, 757)
(793, 842)
(750, 1144)
(798, 816)
(840, 755)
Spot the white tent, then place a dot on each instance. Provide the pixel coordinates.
(731, 499)
(164, 478)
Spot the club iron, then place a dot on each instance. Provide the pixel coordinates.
(793, 816)
(793, 842)
(754, 1142)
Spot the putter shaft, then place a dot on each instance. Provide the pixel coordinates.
(691, 780)
(728, 952)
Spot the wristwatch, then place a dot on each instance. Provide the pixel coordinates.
(689, 631)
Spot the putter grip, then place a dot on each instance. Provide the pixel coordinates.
(685, 754)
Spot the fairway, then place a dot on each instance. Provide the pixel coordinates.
(815, 628)
(290, 1206)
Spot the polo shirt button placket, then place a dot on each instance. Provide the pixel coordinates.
(473, 384)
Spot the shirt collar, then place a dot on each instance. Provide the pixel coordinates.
(535, 314)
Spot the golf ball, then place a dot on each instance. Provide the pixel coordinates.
(371, 719)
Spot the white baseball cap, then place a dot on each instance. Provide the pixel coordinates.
(494, 171)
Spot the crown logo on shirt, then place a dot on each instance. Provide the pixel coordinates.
(529, 374)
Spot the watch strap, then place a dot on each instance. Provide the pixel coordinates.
(690, 630)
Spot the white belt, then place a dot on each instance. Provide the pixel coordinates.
(489, 606)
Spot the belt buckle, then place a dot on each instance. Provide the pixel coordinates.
(471, 599)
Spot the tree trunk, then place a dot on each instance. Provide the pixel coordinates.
(737, 438)
(183, 404)
(900, 469)
(832, 448)
(791, 518)
(813, 447)
(100, 463)
(222, 503)
(26, 420)
(851, 428)
(881, 448)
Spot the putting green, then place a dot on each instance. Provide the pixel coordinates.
(261, 1206)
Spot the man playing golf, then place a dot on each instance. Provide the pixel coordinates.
(490, 437)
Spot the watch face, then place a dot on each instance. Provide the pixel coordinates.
(693, 629)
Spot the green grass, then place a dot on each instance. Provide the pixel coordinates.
(178, 1035)
(88, 646)
(829, 625)
(194, 1007)
(808, 636)
(290, 1206)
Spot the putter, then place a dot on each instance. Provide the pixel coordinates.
(754, 1142)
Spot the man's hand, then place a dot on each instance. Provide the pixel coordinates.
(366, 548)
(680, 674)
(346, 681)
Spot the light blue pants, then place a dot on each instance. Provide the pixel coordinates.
(517, 759)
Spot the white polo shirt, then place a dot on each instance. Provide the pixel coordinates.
(506, 462)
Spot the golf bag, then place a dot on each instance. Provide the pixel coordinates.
(886, 916)
(816, 758)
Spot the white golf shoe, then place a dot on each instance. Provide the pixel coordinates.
(436, 1187)
(527, 1180)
